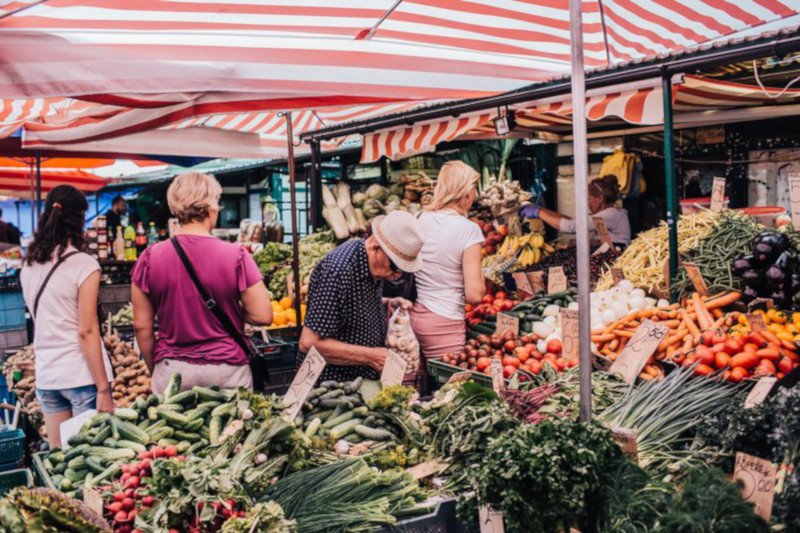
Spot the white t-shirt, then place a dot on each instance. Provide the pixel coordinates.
(59, 359)
(616, 219)
(440, 283)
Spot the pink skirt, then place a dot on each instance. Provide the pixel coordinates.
(436, 334)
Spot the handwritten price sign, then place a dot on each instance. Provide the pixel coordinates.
(556, 280)
(758, 478)
(303, 382)
(697, 278)
(718, 194)
(506, 322)
(644, 342)
(569, 331)
(524, 288)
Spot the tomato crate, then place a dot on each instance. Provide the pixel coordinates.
(442, 372)
(12, 479)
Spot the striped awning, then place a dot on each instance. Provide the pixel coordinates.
(19, 180)
(642, 106)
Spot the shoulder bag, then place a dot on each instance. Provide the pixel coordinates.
(60, 261)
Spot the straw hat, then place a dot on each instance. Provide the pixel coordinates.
(399, 234)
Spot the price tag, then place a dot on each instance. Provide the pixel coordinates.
(72, 426)
(626, 438)
(497, 374)
(602, 230)
(756, 321)
(490, 521)
(460, 377)
(764, 304)
(794, 198)
(394, 370)
(537, 281)
(303, 382)
(758, 479)
(523, 285)
(718, 194)
(556, 280)
(644, 342)
(93, 500)
(760, 391)
(618, 275)
(697, 278)
(569, 331)
(427, 469)
(506, 322)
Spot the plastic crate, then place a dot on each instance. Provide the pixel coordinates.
(442, 372)
(12, 446)
(12, 310)
(443, 519)
(10, 281)
(20, 477)
(279, 381)
(112, 298)
(40, 475)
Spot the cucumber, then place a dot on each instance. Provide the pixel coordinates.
(95, 465)
(172, 417)
(183, 398)
(60, 468)
(225, 409)
(331, 395)
(140, 404)
(111, 471)
(373, 433)
(78, 439)
(333, 422)
(65, 485)
(56, 457)
(313, 427)
(75, 476)
(76, 451)
(183, 446)
(173, 386)
(135, 446)
(112, 454)
(99, 419)
(345, 428)
(163, 443)
(214, 429)
(353, 386)
(102, 435)
(336, 402)
(208, 395)
(127, 414)
(130, 432)
(184, 435)
(77, 463)
(152, 414)
(194, 425)
(160, 433)
(208, 405)
(354, 438)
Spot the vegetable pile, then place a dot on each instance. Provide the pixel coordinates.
(770, 271)
(42, 509)
(567, 257)
(19, 370)
(132, 378)
(312, 249)
(123, 317)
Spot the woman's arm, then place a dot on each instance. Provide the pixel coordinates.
(143, 319)
(89, 339)
(257, 309)
(340, 353)
(554, 219)
(474, 286)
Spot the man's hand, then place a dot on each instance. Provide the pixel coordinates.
(393, 303)
(104, 403)
(378, 359)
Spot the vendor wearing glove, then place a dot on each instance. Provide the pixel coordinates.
(346, 320)
(603, 193)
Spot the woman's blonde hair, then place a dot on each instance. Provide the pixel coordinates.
(456, 179)
(192, 195)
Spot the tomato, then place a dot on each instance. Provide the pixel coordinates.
(719, 336)
(554, 346)
(765, 368)
(703, 370)
(550, 357)
(509, 346)
(572, 362)
(500, 295)
(508, 305)
(522, 353)
(468, 308)
(733, 346)
(508, 371)
(708, 338)
(722, 360)
(487, 299)
(785, 365)
(535, 366)
(745, 360)
(757, 338)
(483, 363)
(738, 374)
(525, 339)
(718, 347)
(511, 361)
(769, 353)
(751, 347)
(705, 354)
(561, 364)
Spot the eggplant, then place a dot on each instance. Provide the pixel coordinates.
(795, 282)
(780, 299)
(778, 276)
(769, 245)
(753, 278)
(740, 265)
(749, 294)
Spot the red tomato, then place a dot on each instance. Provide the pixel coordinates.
(511, 361)
(536, 354)
(572, 362)
(488, 299)
(483, 363)
(510, 346)
(733, 346)
(765, 368)
(722, 360)
(769, 353)
(561, 363)
(468, 308)
(718, 347)
(703, 370)
(508, 371)
(745, 360)
(719, 336)
(500, 295)
(522, 353)
(705, 354)
(508, 305)
(535, 366)
(751, 347)
(708, 338)
(554, 346)
(738, 374)
(785, 365)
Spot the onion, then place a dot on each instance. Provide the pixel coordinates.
(662, 303)
(542, 329)
(619, 309)
(626, 285)
(608, 316)
(637, 303)
(637, 293)
(550, 310)
(341, 447)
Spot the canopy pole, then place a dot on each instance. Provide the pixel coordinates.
(581, 160)
(33, 197)
(671, 186)
(315, 180)
(295, 238)
(38, 184)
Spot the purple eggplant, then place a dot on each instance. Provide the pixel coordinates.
(749, 294)
(780, 299)
(742, 264)
(753, 278)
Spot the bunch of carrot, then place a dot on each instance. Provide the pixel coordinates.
(686, 322)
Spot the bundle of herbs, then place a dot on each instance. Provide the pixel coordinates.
(666, 414)
(607, 388)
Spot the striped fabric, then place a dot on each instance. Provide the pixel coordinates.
(17, 182)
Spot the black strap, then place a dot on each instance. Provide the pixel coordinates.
(61, 259)
(212, 306)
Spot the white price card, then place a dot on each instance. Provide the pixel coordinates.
(72, 426)
(718, 194)
(93, 500)
(758, 478)
(497, 374)
(794, 198)
(569, 331)
(491, 521)
(760, 391)
(505, 323)
(524, 289)
(303, 382)
(634, 356)
(602, 230)
(556, 280)
(394, 370)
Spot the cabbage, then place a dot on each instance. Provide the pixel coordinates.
(377, 192)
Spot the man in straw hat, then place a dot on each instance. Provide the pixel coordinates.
(346, 320)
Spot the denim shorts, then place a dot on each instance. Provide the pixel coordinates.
(77, 400)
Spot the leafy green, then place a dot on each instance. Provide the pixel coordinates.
(392, 398)
(262, 517)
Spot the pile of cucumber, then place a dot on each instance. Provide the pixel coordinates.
(188, 420)
(528, 312)
(339, 411)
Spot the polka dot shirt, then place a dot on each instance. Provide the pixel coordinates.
(344, 303)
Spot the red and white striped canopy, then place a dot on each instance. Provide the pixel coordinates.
(642, 106)
(17, 182)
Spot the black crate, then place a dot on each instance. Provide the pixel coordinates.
(443, 519)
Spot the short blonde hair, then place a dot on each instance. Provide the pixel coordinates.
(192, 195)
(456, 179)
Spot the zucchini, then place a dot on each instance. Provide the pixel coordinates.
(130, 432)
(172, 417)
(173, 386)
(183, 398)
(76, 451)
(208, 395)
(345, 428)
(135, 446)
(125, 413)
(373, 433)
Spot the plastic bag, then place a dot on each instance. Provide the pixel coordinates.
(401, 339)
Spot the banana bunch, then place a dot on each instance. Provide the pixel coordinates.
(528, 248)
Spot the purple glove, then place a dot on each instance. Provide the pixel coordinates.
(530, 211)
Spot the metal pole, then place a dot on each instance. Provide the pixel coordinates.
(581, 207)
(38, 184)
(295, 238)
(669, 178)
(315, 182)
(33, 198)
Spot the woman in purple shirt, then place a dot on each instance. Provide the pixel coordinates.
(192, 341)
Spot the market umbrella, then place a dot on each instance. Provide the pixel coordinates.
(17, 182)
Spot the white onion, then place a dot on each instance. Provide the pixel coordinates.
(650, 302)
(626, 285)
(637, 303)
(637, 293)
(662, 303)
(341, 447)
(608, 316)
(541, 346)
(542, 329)
(551, 310)
(619, 309)
(552, 319)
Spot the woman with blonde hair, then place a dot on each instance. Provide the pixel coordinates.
(451, 262)
(203, 290)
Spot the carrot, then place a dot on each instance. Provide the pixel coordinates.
(672, 324)
(690, 325)
(688, 342)
(622, 342)
(718, 302)
(653, 370)
(771, 337)
(703, 320)
(623, 333)
(603, 337)
(717, 324)
(672, 339)
(613, 345)
(717, 313)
